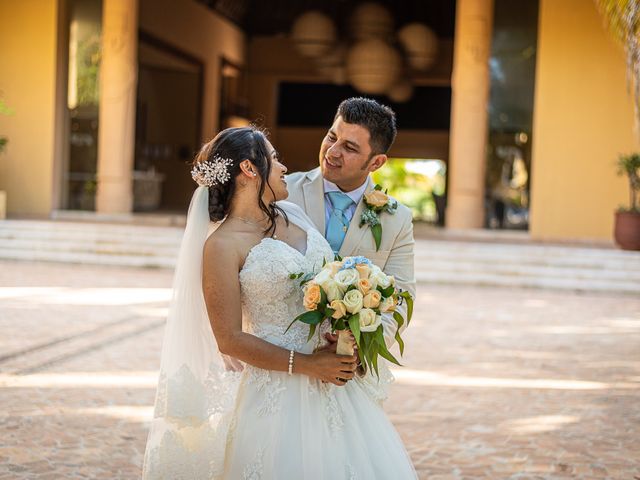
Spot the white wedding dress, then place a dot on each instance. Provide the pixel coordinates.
(269, 425)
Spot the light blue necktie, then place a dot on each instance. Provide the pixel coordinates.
(338, 223)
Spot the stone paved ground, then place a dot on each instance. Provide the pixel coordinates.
(497, 383)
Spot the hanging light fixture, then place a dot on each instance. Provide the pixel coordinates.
(332, 65)
(313, 34)
(373, 66)
(371, 62)
(371, 20)
(421, 45)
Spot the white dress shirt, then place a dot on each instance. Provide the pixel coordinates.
(355, 195)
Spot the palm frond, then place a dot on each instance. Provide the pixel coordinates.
(622, 18)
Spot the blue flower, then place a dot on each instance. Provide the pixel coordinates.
(391, 207)
(369, 217)
(351, 262)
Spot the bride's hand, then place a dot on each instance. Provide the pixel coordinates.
(232, 364)
(332, 339)
(329, 367)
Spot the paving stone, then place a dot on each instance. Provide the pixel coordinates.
(497, 383)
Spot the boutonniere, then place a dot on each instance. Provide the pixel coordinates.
(376, 202)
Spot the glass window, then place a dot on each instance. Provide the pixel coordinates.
(85, 22)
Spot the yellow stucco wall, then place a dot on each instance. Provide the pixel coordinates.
(583, 117)
(28, 48)
(28, 30)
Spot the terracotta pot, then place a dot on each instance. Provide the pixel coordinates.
(627, 230)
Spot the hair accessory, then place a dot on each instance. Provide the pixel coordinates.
(212, 172)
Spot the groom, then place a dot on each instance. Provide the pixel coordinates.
(333, 194)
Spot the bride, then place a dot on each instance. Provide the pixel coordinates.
(238, 398)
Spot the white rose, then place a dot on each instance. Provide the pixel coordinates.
(380, 279)
(332, 290)
(374, 272)
(353, 301)
(346, 278)
(369, 321)
(323, 277)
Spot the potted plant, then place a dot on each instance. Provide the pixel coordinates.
(627, 223)
(4, 110)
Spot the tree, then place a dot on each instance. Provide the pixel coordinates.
(622, 18)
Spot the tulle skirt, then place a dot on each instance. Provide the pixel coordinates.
(295, 427)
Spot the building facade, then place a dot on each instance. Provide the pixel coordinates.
(172, 73)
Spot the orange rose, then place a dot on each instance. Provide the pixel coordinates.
(376, 198)
(388, 305)
(340, 309)
(372, 299)
(363, 270)
(311, 296)
(364, 286)
(334, 266)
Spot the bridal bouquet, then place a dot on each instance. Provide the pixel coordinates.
(351, 294)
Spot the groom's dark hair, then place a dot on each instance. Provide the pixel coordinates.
(378, 119)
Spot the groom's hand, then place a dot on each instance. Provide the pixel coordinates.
(331, 338)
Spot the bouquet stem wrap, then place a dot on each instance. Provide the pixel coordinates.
(344, 346)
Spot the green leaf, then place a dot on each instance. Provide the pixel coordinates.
(400, 342)
(354, 325)
(382, 347)
(313, 317)
(293, 276)
(387, 354)
(376, 230)
(374, 359)
(386, 292)
(377, 187)
(340, 325)
(323, 297)
(312, 330)
(398, 318)
(407, 296)
(338, 258)
(297, 319)
(364, 344)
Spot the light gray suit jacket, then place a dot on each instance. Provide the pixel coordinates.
(395, 256)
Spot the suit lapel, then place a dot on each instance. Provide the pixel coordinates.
(352, 240)
(314, 198)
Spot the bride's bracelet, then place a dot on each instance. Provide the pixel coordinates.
(291, 353)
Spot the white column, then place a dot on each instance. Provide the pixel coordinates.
(118, 82)
(469, 122)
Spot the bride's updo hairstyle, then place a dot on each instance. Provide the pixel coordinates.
(239, 144)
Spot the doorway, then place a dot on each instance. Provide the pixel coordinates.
(168, 124)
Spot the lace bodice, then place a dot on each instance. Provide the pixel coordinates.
(270, 299)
